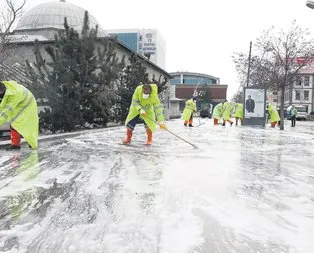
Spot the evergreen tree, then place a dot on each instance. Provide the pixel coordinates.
(133, 75)
(82, 69)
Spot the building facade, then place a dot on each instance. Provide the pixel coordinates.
(207, 88)
(147, 42)
(299, 93)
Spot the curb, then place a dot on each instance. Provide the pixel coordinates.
(52, 137)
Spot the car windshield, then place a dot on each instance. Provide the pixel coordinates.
(301, 109)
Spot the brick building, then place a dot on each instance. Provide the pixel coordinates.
(206, 88)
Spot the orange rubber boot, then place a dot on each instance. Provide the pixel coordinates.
(15, 138)
(128, 137)
(149, 137)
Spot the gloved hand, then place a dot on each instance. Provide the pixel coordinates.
(142, 112)
(162, 126)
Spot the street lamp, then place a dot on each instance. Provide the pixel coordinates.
(249, 66)
(310, 4)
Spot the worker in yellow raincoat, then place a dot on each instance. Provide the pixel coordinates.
(145, 105)
(273, 114)
(227, 110)
(217, 113)
(18, 107)
(238, 114)
(189, 110)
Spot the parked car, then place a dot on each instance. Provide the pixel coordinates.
(302, 113)
(205, 112)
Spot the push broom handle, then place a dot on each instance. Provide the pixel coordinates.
(194, 146)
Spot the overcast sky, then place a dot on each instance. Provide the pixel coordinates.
(201, 35)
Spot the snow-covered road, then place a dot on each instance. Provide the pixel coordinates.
(244, 190)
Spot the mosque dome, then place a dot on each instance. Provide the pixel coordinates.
(51, 15)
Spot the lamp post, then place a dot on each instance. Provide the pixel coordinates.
(249, 66)
(310, 4)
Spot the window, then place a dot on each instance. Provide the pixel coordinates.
(298, 81)
(307, 81)
(297, 95)
(306, 95)
(286, 95)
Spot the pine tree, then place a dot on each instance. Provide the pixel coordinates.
(82, 69)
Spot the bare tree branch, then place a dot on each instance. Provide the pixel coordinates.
(9, 16)
(277, 60)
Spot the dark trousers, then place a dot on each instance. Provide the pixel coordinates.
(132, 123)
(293, 121)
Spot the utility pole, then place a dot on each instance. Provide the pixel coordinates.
(249, 66)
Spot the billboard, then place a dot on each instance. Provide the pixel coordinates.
(254, 106)
(149, 42)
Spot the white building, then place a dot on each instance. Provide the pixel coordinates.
(302, 90)
(147, 42)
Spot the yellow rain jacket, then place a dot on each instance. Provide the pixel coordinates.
(227, 109)
(217, 113)
(273, 113)
(238, 111)
(190, 107)
(151, 106)
(19, 108)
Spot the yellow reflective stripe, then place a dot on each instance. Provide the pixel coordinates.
(159, 114)
(159, 107)
(4, 115)
(22, 110)
(9, 108)
(146, 107)
(135, 102)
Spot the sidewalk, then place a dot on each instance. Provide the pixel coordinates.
(49, 137)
